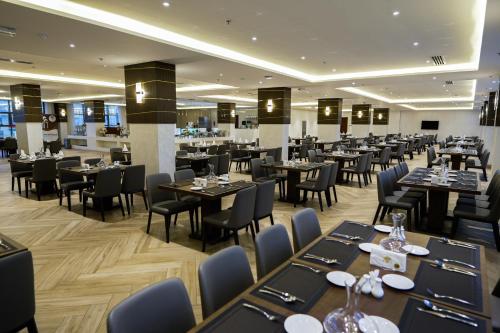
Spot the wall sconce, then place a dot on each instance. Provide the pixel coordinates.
(89, 112)
(17, 103)
(380, 116)
(360, 114)
(327, 111)
(62, 112)
(139, 93)
(270, 105)
(233, 113)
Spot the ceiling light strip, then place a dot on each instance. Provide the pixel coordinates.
(451, 108)
(125, 24)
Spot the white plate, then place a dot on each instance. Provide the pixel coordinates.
(367, 247)
(222, 182)
(196, 188)
(427, 179)
(416, 250)
(301, 323)
(340, 278)
(383, 228)
(397, 281)
(382, 325)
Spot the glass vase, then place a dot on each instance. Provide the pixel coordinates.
(397, 239)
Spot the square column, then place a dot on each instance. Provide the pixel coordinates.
(380, 121)
(152, 115)
(93, 115)
(27, 105)
(61, 111)
(361, 120)
(274, 108)
(226, 116)
(329, 118)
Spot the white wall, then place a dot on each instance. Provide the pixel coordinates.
(311, 117)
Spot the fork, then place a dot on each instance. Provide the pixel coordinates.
(346, 236)
(317, 271)
(323, 259)
(458, 262)
(338, 240)
(284, 294)
(433, 294)
(267, 315)
(5, 246)
(283, 298)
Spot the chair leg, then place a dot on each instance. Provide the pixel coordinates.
(167, 227)
(252, 230)
(197, 219)
(38, 191)
(335, 193)
(384, 211)
(320, 201)
(121, 204)
(68, 197)
(175, 219)
(85, 198)
(132, 199)
(31, 326)
(408, 219)
(272, 219)
(359, 181)
(257, 227)
(12, 180)
(19, 185)
(127, 203)
(370, 176)
(236, 238)
(496, 235)
(101, 203)
(328, 197)
(144, 197)
(60, 198)
(149, 221)
(484, 175)
(203, 237)
(376, 214)
(191, 220)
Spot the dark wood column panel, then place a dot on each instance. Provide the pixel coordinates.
(158, 89)
(61, 111)
(329, 111)
(490, 109)
(360, 114)
(26, 103)
(381, 116)
(281, 100)
(224, 111)
(482, 118)
(93, 111)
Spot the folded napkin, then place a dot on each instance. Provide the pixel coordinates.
(388, 259)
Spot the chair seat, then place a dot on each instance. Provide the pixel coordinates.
(220, 219)
(482, 197)
(471, 212)
(307, 185)
(191, 199)
(169, 207)
(262, 179)
(350, 169)
(473, 163)
(407, 194)
(472, 202)
(22, 174)
(400, 202)
(76, 185)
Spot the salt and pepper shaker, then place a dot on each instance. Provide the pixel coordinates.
(377, 290)
(367, 287)
(372, 284)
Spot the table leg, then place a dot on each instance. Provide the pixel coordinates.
(438, 210)
(340, 174)
(456, 159)
(209, 207)
(292, 179)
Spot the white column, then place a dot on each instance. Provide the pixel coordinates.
(274, 135)
(329, 132)
(29, 137)
(229, 129)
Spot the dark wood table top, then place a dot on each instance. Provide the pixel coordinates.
(9, 246)
(28, 161)
(467, 181)
(298, 166)
(213, 191)
(383, 145)
(468, 144)
(341, 156)
(194, 157)
(256, 149)
(454, 151)
(391, 306)
(93, 170)
(369, 149)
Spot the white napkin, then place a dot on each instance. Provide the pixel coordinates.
(124, 149)
(388, 259)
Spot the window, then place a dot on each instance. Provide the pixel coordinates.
(112, 116)
(7, 125)
(78, 119)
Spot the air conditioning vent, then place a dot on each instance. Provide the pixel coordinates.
(17, 61)
(449, 82)
(438, 60)
(7, 31)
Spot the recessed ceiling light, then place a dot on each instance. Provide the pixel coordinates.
(119, 80)
(395, 13)
(416, 43)
(268, 77)
(260, 82)
(12, 60)
(334, 70)
(434, 77)
(72, 45)
(354, 83)
(427, 61)
(303, 58)
(62, 73)
(493, 82)
(166, 4)
(221, 74)
(254, 38)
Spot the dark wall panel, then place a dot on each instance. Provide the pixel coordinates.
(224, 113)
(381, 116)
(26, 103)
(97, 111)
(281, 98)
(335, 116)
(361, 114)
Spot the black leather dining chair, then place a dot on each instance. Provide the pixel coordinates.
(92, 161)
(272, 248)
(264, 202)
(44, 172)
(70, 182)
(18, 171)
(223, 164)
(164, 202)
(318, 186)
(383, 159)
(239, 216)
(133, 182)
(107, 186)
(222, 277)
(305, 228)
(359, 169)
(193, 201)
(17, 293)
(159, 308)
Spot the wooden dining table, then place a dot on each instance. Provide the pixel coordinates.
(457, 155)
(459, 182)
(321, 297)
(341, 158)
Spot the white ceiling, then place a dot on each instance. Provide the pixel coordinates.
(348, 36)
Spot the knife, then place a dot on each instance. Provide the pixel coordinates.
(456, 270)
(444, 316)
(346, 236)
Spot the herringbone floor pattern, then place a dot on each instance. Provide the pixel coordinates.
(83, 267)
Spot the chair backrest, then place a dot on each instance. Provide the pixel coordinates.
(311, 155)
(484, 159)
(243, 208)
(118, 156)
(305, 228)
(398, 171)
(16, 166)
(223, 167)
(368, 162)
(333, 173)
(404, 168)
(222, 277)
(384, 185)
(66, 177)
(212, 150)
(10, 144)
(257, 169)
(181, 153)
(401, 149)
(71, 158)
(214, 160)
(272, 248)
(162, 307)
(494, 182)
(18, 290)
(323, 179)
(155, 194)
(264, 199)
(385, 155)
(44, 170)
(362, 160)
(303, 150)
(429, 157)
(92, 161)
(222, 149)
(108, 183)
(133, 179)
(184, 174)
(278, 153)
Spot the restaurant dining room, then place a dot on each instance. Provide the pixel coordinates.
(263, 166)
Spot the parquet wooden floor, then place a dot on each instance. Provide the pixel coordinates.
(83, 267)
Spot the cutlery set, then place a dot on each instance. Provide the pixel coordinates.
(440, 265)
(448, 241)
(259, 310)
(328, 261)
(4, 245)
(317, 271)
(284, 296)
(353, 238)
